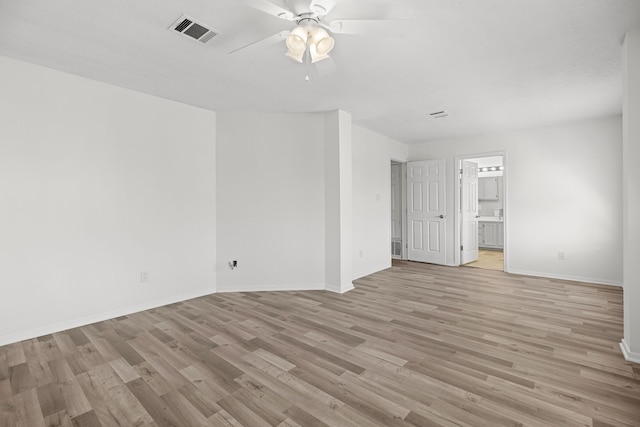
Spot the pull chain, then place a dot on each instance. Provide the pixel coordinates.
(307, 61)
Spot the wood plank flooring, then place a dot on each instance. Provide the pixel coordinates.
(488, 259)
(414, 345)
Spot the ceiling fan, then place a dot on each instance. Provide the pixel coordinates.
(312, 34)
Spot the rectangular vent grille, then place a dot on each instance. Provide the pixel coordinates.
(396, 249)
(184, 24)
(205, 38)
(189, 27)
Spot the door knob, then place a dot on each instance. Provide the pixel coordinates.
(441, 216)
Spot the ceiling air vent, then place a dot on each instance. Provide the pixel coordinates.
(439, 114)
(193, 29)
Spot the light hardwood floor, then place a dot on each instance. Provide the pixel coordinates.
(488, 259)
(414, 345)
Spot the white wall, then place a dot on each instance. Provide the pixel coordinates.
(564, 193)
(372, 155)
(97, 184)
(272, 203)
(631, 189)
(270, 217)
(338, 193)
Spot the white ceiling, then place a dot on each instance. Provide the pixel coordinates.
(495, 65)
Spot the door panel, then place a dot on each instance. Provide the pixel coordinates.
(434, 196)
(434, 236)
(469, 207)
(416, 197)
(426, 211)
(417, 243)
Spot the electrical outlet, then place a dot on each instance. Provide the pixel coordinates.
(561, 256)
(361, 253)
(144, 276)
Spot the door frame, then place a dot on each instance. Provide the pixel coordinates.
(403, 206)
(457, 161)
(403, 193)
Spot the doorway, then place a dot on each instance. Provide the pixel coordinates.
(418, 228)
(481, 211)
(398, 223)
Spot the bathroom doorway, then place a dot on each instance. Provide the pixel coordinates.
(481, 211)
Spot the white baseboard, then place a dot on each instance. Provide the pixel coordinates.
(340, 290)
(371, 271)
(566, 277)
(285, 288)
(87, 320)
(629, 356)
(271, 288)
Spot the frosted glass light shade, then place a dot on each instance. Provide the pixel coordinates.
(315, 56)
(297, 40)
(297, 56)
(322, 41)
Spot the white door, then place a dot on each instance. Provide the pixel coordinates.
(469, 207)
(426, 214)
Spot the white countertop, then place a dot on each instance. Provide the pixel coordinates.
(490, 219)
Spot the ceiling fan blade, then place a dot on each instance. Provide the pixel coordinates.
(267, 41)
(385, 28)
(270, 8)
(322, 7)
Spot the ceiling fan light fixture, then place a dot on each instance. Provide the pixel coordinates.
(315, 55)
(322, 41)
(311, 36)
(297, 40)
(325, 45)
(296, 56)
